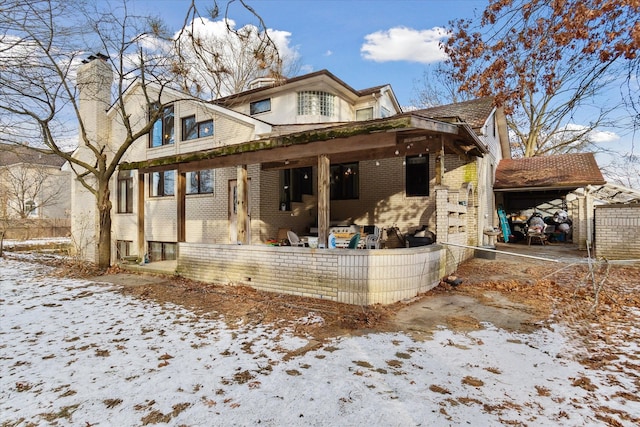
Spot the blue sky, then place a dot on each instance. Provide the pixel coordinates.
(331, 34)
(364, 42)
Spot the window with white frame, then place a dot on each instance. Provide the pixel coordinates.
(364, 114)
(200, 182)
(31, 208)
(316, 103)
(162, 184)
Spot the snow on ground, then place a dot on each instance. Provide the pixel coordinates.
(76, 352)
(47, 241)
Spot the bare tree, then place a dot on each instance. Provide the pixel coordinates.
(438, 86)
(544, 62)
(625, 170)
(29, 189)
(42, 46)
(215, 59)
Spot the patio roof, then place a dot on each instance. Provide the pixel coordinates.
(563, 171)
(404, 134)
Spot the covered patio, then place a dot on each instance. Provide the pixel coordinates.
(363, 276)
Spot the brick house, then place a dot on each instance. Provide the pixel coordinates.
(213, 182)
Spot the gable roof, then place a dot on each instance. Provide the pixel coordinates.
(231, 99)
(13, 154)
(474, 112)
(561, 171)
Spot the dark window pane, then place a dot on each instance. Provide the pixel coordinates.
(345, 183)
(417, 176)
(189, 128)
(260, 106)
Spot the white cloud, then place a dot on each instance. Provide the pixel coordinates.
(595, 136)
(404, 44)
(328, 53)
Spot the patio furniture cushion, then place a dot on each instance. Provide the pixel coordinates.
(353, 243)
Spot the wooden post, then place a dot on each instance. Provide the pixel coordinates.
(142, 247)
(440, 163)
(324, 201)
(181, 196)
(242, 203)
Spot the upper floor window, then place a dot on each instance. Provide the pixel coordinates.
(384, 112)
(261, 106)
(193, 130)
(200, 182)
(345, 184)
(125, 192)
(316, 103)
(364, 114)
(163, 131)
(417, 176)
(162, 184)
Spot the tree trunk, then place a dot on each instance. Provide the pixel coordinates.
(104, 239)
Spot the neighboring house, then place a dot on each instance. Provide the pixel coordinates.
(32, 184)
(214, 181)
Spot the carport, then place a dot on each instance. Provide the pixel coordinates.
(547, 184)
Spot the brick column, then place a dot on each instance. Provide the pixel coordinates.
(442, 213)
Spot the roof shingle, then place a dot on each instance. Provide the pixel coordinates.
(474, 112)
(563, 170)
(13, 154)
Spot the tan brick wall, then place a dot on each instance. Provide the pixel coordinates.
(362, 277)
(618, 231)
(382, 202)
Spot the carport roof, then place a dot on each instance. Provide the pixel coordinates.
(563, 171)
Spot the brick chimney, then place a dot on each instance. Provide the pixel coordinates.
(94, 79)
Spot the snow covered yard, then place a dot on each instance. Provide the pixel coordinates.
(80, 353)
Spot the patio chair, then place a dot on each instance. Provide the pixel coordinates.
(536, 236)
(353, 243)
(294, 240)
(372, 241)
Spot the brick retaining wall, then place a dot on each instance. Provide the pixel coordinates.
(362, 277)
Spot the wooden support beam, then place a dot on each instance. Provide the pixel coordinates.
(440, 163)
(181, 201)
(324, 202)
(142, 247)
(242, 203)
